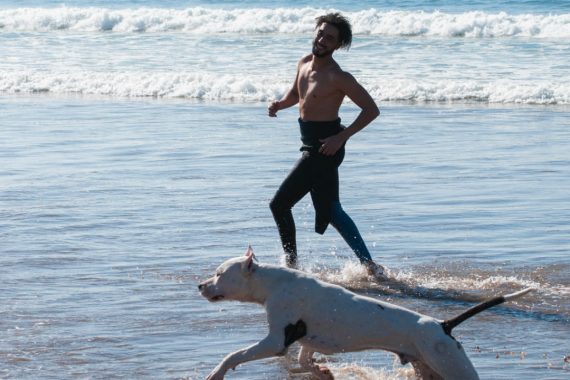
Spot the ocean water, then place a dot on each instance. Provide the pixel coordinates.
(137, 156)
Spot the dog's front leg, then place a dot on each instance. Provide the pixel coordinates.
(270, 346)
(308, 363)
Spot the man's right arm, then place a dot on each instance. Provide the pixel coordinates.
(288, 100)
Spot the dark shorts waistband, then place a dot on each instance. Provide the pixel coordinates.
(313, 131)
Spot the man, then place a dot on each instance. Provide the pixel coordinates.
(320, 88)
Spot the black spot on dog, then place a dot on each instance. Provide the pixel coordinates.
(294, 332)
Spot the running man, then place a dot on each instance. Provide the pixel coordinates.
(320, 88)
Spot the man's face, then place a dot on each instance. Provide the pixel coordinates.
(326, 40)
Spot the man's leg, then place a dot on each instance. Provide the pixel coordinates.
(349, 232)
(295, 186)
(328, 183)
(344, 224)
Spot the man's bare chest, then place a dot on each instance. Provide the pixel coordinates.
(316, 85)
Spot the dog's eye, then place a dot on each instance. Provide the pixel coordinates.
(218, 274)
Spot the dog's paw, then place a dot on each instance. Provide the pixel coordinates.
(324, 373)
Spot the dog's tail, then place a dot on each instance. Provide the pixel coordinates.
(450, 324)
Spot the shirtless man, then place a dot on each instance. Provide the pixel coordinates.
(320, 88)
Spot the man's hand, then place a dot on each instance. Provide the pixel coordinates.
(272, 109)
(331, 145)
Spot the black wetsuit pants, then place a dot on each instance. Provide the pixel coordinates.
(317, 174)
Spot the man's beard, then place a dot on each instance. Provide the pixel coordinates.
(321, 54)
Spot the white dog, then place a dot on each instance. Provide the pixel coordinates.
(329, 319)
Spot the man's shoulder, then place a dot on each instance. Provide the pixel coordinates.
(306, 59)
(342, 75)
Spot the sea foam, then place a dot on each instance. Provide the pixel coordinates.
(237, 87)
(199, 20)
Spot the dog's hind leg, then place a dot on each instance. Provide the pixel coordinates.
(308, 363)
(423, 372)
(444, 358)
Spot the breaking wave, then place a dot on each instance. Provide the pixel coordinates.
(228, 87)
(198, 20)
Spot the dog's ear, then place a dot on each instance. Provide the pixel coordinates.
(247, 266)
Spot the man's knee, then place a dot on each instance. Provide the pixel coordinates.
(276, 206)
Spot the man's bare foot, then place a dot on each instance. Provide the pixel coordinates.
(291, 261)
(375, 270)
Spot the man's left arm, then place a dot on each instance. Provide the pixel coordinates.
(368, 112)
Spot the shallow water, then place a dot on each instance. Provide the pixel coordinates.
(136, 156)
(112, 210)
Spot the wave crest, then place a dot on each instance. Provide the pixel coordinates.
(226, 87)
(286, 21)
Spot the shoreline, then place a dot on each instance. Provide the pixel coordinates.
(47, 96)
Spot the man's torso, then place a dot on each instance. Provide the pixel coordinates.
(319, 96)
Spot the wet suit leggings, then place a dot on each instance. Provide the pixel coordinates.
(299, 182)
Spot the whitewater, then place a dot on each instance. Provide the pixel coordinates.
(219, 54)
(201, 20)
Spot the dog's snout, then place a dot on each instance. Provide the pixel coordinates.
(201, 286)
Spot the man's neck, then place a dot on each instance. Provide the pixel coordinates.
(318, 63)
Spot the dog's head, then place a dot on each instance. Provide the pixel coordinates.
(231, 279)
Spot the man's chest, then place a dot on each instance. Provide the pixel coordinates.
(316, 85)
